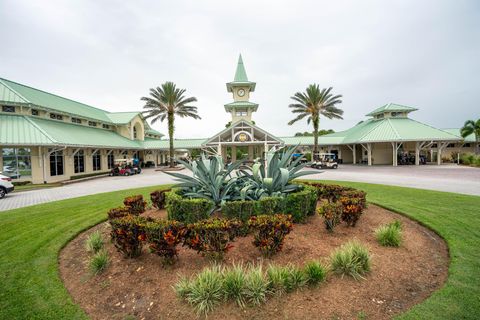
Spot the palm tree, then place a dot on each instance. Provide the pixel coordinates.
(165, 102)
(470, 127)
(314, 103)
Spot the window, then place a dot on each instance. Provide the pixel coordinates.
(380, 116)
(451, 145)
(76, 120)
(16, 162)
(92, 123)
(466, 145)
(395, 114)
(105, 126)
(125, 154)
(134, 132)
(434, 145)
(34, 112)
(56, 163)
(241, 113)
(8, 108)
(110, 160)
(96, 160)
(79, 161)
(56, 116)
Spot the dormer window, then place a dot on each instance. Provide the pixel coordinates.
(8, 108)
(56, 116)
(134, 133)
(92, 123)
(34, 112)
(241, 113)
(395, 114)
(105, 126)
(77, 120)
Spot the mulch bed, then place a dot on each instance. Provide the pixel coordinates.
(142, 289)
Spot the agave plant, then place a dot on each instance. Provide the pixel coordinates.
(274, 178)
(210, 179)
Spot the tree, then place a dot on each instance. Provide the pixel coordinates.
(166, 102)
(470, 127)
(321, 132)
(314, 103)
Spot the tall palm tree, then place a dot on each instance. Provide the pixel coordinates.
(470, 127)
(314, 103)
(166, 102)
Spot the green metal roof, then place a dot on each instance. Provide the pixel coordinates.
(308, 140)
(241, 104)
(20, 130)
(154, 132)
(391, 107)
(122, 117)
(240, 78)
(395, 129)
(7, 95)
(456, 131)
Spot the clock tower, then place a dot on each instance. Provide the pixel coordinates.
(241, 108)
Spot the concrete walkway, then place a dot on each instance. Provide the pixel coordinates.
(451, 178)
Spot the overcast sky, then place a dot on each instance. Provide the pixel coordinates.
(109, 53)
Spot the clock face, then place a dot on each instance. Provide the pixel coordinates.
(241, 92)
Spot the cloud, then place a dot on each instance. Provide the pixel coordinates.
(109, 53)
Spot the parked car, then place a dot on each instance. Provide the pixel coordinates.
(6, 185)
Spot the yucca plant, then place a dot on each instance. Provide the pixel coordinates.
(210, 179)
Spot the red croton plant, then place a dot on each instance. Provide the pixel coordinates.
(270, 232)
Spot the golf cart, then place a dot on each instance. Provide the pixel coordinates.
(125, 167)
(325, 161)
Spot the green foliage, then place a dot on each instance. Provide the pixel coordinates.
(352, 259)
(240, 209)
(257, 285)
(212, 237)
(301, 204)
(99, 262)
(470, 159)
(285, 278)
(389, 235)
(158, 198)
(163, 236)
(321, 132)
(135, 204)
(127, 235)
(94, 242)
(270, 205)
(183, 287)
(206, 290)
(186, 210)
(314, 272)
(270, 232)
(331, 212)
(234, 284)
(210, 179)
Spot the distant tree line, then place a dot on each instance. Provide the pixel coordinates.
(321, 132)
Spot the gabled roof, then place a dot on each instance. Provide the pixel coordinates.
(8, 95)
(20, 130)
(240, 78)
(47, 100)
(241, 122)
(122, 117)
(391, 107)
(241, 104)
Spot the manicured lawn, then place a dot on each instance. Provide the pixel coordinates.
(36, 186)
(30, 239)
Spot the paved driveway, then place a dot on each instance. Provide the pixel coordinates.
(450, 178)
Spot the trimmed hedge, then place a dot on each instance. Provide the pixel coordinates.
(241, 210)
(185, 209)
(270, 205)
(301, 204)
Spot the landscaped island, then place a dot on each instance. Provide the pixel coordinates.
(254, 244)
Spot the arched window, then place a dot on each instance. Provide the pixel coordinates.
(134, 132)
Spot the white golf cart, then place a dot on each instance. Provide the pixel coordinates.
(326, 161)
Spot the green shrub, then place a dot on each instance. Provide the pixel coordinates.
(330, 192)
(270, 205)
(331, 212)
(212, 237)
(241, 209)
(135, 204)
(301, 204)
(183, 287)
(119, 212)
(21, 183)
(314, 272)
(127, 235)
(234, 284)
(205, 290)
(257, 285)
(99, 262)
(94, 242)
(185, 209)
(163, 236)
(88, 175)
(389, 235)
(270, 232)
(158, 198)
(470, 159)
(352, 259)
(278, 277)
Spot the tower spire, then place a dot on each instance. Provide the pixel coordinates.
(240, 73)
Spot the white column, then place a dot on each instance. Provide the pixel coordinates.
(417, 153)
(394, 154)
(369, 153)
(234, 153)
(219, 149)
(354, 151)
(439, 153)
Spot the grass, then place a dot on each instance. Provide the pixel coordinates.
(351, 259)
(99, 262)
(314, 272)
(205, 290)
(389, 235)
(234, 284)
(31, 237)
(30, 186)
(94, 242)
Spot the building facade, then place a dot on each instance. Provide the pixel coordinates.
(48, 138)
